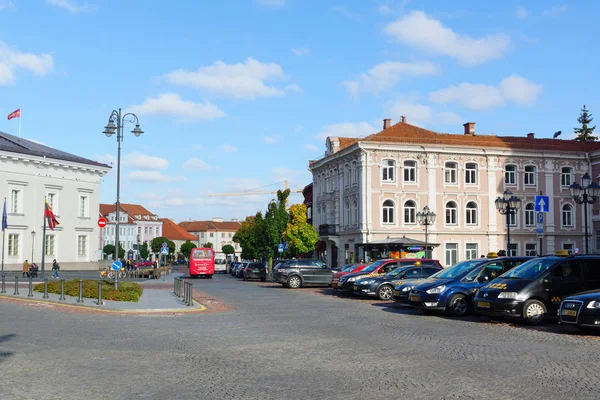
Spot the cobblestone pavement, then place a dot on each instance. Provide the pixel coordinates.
(280, 343)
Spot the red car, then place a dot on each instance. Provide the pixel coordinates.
(348, 269)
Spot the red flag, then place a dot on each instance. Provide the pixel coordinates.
(14, 114)
(49, 215)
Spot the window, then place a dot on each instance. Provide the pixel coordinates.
(451, 172)
(529, 214)
(512, 219)
(568, 247)
(212, 234)
(82, 245)
(347, 205)
(451, 253)
(471, 251)
(355, 207)
(388, 170)
(15, 197)
(13, 244)
(529, 177)
(451, 213)
(510, 175)
(471, 174)
(530, 249)
(53, 202)
(50, 245)
(410, 171)
(513, 251)
(567, 215)
(388, 212)
(83, 207)
(410, 212)
(566, 176)
(347, 175)
(355, 169)
(471, 217)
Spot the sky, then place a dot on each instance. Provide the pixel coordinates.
(239, 95)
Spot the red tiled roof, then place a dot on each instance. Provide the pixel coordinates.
(203, 226)
(106, 209)
(172, 231)
(135, 209)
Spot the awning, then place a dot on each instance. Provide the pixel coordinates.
(399, 242)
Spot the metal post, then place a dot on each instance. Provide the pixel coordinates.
(426, 241)
(191, 295)
(3, 284)
(43, 246)
(585, 217)
(118, 203)
(175, 282)
(100, 302)
(508, 229)
(62, 289)
(30, 294)
(16, 285)
(45, 288)
(165, 274)
(80, 298)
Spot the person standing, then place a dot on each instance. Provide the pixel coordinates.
(55, 268)
(25, 268)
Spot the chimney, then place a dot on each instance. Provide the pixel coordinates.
(403, 119)
(387, 123)
(530, 135)
(469, 128)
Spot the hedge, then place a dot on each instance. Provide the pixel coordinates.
(128, 291)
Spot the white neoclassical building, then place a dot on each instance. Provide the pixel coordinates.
(30, 172)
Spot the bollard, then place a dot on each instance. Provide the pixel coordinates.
(45, 288)
(185, 286)
(175, 286)
(80, 298)
(16, 286)
(3, 284)
(165, 275)
(100, 302)
(190, 295)
(62, 289)
(30, 294)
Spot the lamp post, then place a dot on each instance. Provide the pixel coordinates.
(586, 193)
(32, 244)
(426, 218)
(109, 130)
(508, 205)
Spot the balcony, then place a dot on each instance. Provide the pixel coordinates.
(327, 230)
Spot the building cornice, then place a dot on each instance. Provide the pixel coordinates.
(42, 162)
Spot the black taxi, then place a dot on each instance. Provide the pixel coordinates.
(535, 289)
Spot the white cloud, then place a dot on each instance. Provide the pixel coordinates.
(301, 51)
(172, 104)
(386, 75)
(153, 177)
(555, 11)
(229, 148)
(143, 161)
(12, 60)
(312, 147)
(419, 30)
(271, 3)
(294, 88)
(514, 88)
(72, 6)
(197, 164)
(347, 129)
(521, 12)
(241, 81)
(107, 159)
(273, 139)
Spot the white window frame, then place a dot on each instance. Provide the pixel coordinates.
(530, 214)
(85, 200)
(16, 201)
(510, 177)
(569, 247)
(14, 244)
(451, 253)
(570, 214)
(412, 212)
(471, 251)
(529, 177)
(513, 251)
(566, 178)
(472, 214)
(83, 252)
(471, 174)
(388, 212)
(531, 249)
(451, 212)
(410, 168)
(513, 219)
(388, 170)
(52, 198)
(451, 173)
(50, 246)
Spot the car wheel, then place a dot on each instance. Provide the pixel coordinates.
(457, 305)
(294, 282)
(385, 292)
(534, 312)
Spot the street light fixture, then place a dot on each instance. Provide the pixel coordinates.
(508, 205)
(426, 218)
(109, 130)
(586, 193)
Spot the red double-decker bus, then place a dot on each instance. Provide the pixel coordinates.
(202, 262)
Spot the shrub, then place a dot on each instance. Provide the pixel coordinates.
(128, 291)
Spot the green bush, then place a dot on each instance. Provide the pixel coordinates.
(128, 291)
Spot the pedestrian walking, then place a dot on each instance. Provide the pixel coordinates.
(25, 268)
(55, 268)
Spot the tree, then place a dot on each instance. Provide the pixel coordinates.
(156, 244)
(245, 237)
(109, 249)
(186, 248)
(144, 252)
(300, 235)
(585, 133)
(228, 249)
(208, 245)
(121, 251)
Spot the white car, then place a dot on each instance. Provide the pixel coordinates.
(220, 265)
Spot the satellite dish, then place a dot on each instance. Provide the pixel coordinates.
(556, 134)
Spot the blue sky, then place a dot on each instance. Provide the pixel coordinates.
(237, 95)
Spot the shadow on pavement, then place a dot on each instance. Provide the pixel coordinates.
(5, 338)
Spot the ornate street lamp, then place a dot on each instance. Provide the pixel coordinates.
(109, 130)
(586, 193)
(426, 218)
(508, 205)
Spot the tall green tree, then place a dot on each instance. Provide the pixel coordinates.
(246, 239)
(585, 132)
(144, 251)
(186, 248)
(228, 249)
(156, 244)
(300, 235)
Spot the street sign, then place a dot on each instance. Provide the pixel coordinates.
(101, 222)
(539, 230)
(116, 266)
(164, 250)
(285, 245)
(540, 235)
(280, 248)
(164, 244)
(542, 204)
(540, 218)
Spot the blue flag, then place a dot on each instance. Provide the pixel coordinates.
(4, 221)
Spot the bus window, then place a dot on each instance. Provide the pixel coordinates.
(200, 254)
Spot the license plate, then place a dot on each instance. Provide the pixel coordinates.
(414, 298)
(569, 313)
(396, 293)
(354, 287)
(483, 304)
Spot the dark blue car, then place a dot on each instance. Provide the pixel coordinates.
(452, 290)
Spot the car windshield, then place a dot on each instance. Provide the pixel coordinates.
(396, 272)
(373, 266)
(457, 270)
(530, 269)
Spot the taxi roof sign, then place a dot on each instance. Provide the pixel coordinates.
(418, 263)
(492, 254)
(561, 253)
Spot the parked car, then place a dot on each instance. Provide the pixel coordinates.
(534, 290)
(240, 268)
(581, 309)
(255, 270)
(307, 271)
(348, 269)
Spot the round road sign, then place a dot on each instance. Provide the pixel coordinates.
(101, 222)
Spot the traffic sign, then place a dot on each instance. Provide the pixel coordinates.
(539, 230)
(540, 218)
(164, 250)
(285, 245)
(280, 248)
(101, 222)
(542, 204)
(540, 235)
(116, 266)
(164, 244)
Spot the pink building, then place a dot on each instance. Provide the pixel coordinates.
(368, 191)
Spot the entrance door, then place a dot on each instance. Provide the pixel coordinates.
(334, 256)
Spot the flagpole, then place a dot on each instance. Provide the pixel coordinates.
(3, 237)
(20, 118)
(44, 242)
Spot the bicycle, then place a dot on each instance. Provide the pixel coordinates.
(110, 274)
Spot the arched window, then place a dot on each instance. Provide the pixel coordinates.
(471, 173)
(529, 214)
(471, 217)
(567, 215)
(410, 212)
(387, 171)
(451, 218)
(510, 174)
(388, 212)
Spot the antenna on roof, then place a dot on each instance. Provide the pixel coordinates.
(556, 134)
